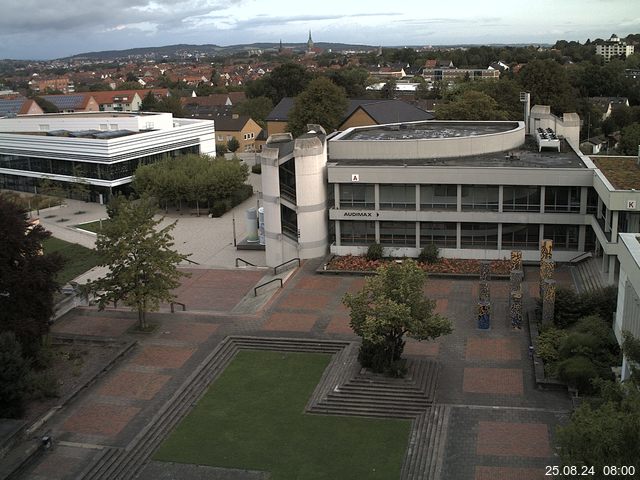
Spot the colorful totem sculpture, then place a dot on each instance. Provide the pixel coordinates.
(549, 301)
(515, 298)
(484, 300)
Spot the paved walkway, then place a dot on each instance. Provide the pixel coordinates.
(501, 426)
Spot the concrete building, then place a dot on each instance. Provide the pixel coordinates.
(474, 189)
(101, 150)
(614, 47)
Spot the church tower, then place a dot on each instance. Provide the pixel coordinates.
(309, 43)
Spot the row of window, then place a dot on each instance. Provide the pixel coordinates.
(100, 171)
(473, 197)
(444, 234)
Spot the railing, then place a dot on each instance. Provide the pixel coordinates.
(288, 193)
(582, 256)
(184, 307)
(238, 259)
(275, 269)
(255, 290)
(191, 261)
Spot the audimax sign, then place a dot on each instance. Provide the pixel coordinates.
(361, 214)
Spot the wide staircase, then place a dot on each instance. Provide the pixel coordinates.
(587, 275)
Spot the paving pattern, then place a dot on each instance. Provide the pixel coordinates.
(486, 418)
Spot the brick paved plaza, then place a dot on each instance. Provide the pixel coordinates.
(500, 427)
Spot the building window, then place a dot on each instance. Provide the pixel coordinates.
(521, 199)
(220, 138)
(398, 197)
(438, 197)
(479, 235)
(402, 234)
(357, 233)
(287, 173)
(565, 237)
(562, 199)
(289, 222)
(357, 196)
(480, 197)
(441, 234)
(524, 236)
(592, 201)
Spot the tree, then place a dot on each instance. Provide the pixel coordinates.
(14, 371)
(286, 80)
(630, 139)
(233, 145)
(322, 102)
(140, 256)
(27, 278)
(606, 431)
(391, 305)
(149, 103)
(388, 90)
(256, 108)
(471, 105)
(549, 84)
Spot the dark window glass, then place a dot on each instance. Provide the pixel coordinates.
(438, 197)
(398, 233)
(479, 235)
(565, 237)
(480, 197)
(398, 197)
(442, 234)
(521, 199)
(562, 199)
(525, 236)
(357, 196)
(357, 233)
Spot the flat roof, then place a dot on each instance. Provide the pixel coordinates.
(622, 172)
(525, 156)
(427, 130)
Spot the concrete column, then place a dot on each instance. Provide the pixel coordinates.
(599, 214)
(582, 237)
(337, 230)
(614, 226)
(377, 231)
(459, 200)
(418, 235)
(541, 236)
(543, 193)
(500, 200)
(417, 198)
(612, 269)
(584, 192)
(500, 230)
(376, 196)
(458, 230)
(336, 195)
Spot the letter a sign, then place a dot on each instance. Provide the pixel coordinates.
(355, 177)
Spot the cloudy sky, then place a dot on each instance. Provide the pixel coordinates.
(44, 29)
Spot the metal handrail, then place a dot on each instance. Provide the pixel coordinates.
(238, 259)
(191, 261)
(275, 269)
(184, 308)
(255, 290)
(578, 258)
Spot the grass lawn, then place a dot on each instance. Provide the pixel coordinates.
(92, 226)
(78, 259)
(253, 418)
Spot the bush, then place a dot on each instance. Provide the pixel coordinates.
(257, 168)
(374, 252)
(221, 148)
(578, 372)
(220, 207)
(429, 254)
(547, 346)
(14, 371)
(42, 385)
(241, 194)
(570, 306)
(233, 145)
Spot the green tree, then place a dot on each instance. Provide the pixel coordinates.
(606, 431)
(322, 102)
(286, 80)
(256, 108)
(14, 371)
(388, 90)
(630, 139)
(149, 103)
(471, 105)
(143, 265)
(391, 305)
(354, 80)
(27, 278)
(548, 83)
(233, 145)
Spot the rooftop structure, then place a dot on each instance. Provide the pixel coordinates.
(622, 172)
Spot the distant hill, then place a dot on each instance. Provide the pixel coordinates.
(206, 49)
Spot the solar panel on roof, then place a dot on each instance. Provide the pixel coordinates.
(84, 133)
(113, 134)
(65, 101)
(10, 106)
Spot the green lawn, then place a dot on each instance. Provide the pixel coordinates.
(92, 226)
(78, 259)
(253, 418)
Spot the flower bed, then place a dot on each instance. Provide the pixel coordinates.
(455, 266)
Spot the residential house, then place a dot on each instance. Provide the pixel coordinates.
(77, 102)
(614, 47)
(62, 84)
(11, 106)
(609, 104)
(241, 127)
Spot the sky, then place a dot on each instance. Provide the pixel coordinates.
(47, 29)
